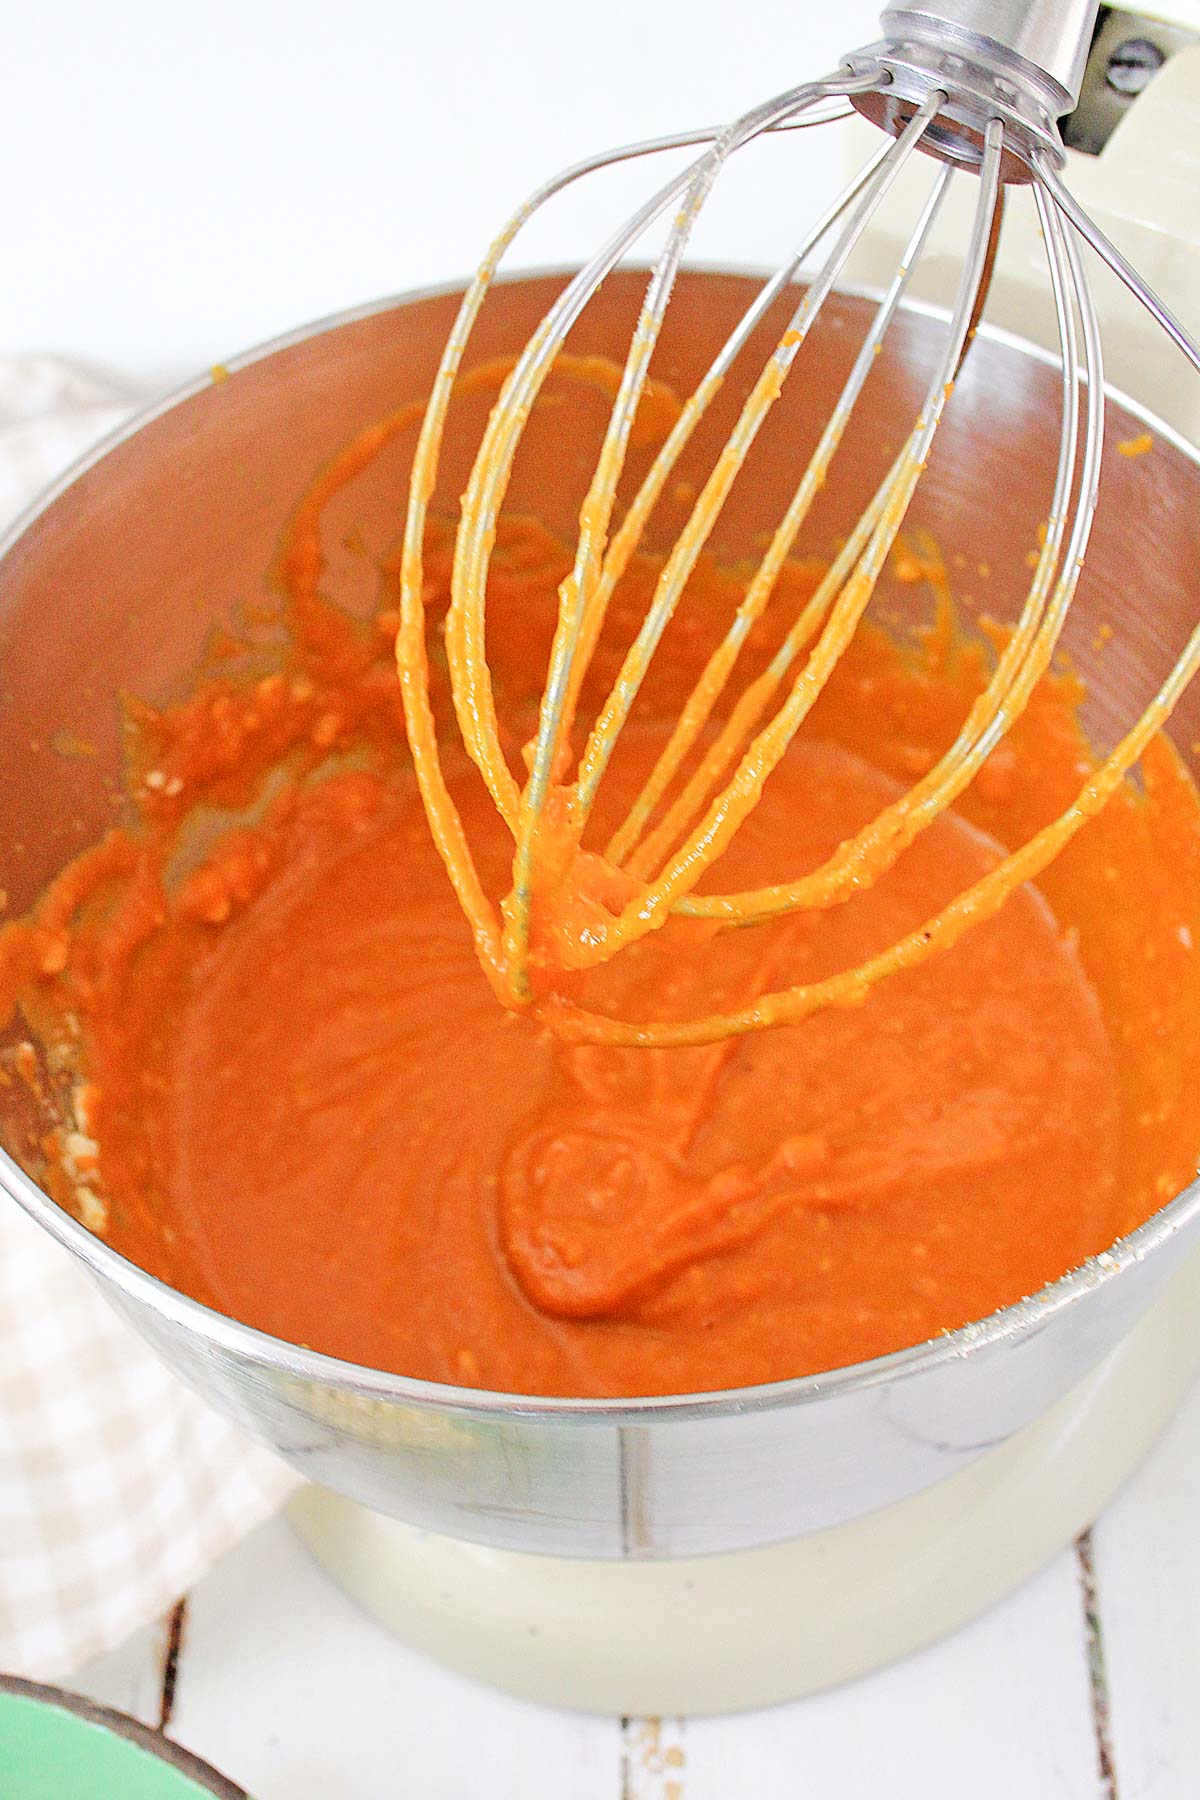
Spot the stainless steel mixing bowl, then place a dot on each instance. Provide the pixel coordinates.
(112, 582)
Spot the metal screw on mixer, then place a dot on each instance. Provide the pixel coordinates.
(978, 85)
(1132, 64)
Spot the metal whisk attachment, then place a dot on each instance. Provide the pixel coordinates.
(979, 86)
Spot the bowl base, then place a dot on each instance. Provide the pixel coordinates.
(724, 1633)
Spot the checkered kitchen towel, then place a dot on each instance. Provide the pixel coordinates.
(118, 1487)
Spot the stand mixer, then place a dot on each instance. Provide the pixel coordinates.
(683, 1553)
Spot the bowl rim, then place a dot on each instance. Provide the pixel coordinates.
(1022, 1318)
(132, 1731)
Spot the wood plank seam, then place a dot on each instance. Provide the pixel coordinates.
(1097, 1672)
(626, 1760)
(172, 1649)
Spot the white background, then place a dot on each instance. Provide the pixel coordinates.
(184, 180)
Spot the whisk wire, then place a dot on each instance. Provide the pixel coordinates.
(1024, 659)
(751, 704)
(1090, 232)
(733, 806)
(629, 533)
(616, 709)
(697, 709)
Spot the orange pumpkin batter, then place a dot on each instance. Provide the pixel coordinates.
(296, 1097)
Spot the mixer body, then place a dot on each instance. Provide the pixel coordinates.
(112, 585)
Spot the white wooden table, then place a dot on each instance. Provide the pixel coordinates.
(1083, 1686)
